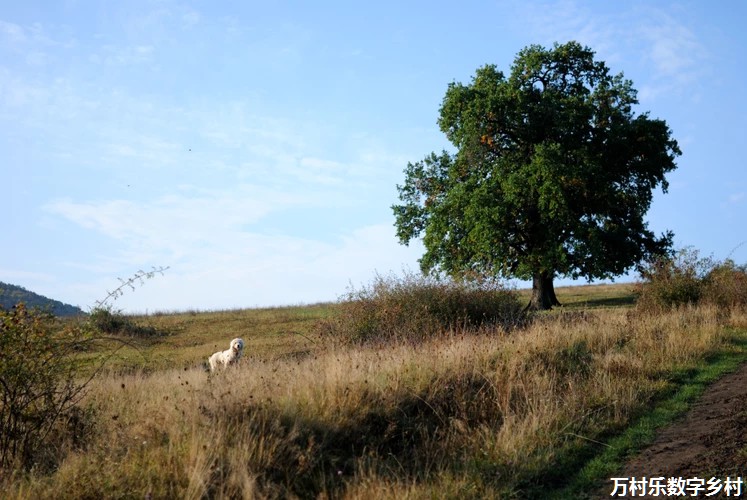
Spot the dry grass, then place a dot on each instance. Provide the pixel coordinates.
(188, 338)
(479, 416)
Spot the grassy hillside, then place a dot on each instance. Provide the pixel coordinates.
(185, 340)
(490, 413)
(190, 337)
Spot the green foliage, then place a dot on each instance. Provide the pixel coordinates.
(553, 173)
(38, 382)
(688, 278)
(40, 377)
(418, 307)
(107, 320)
(672, 281)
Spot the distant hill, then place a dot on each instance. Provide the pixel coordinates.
(11, 295)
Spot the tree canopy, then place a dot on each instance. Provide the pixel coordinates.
(552, 175)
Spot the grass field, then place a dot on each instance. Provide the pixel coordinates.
(490, 413)
(280, 331)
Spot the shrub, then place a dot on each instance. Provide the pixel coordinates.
(105, 319)
(416, 307)
(726, 285)
(38, 382)
(110, 321)
(689, 279)
(673, 281)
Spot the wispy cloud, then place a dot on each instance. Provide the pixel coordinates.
(674, 53)
(240, 196)
(174, 222)
(25, 37)
(565, 20)
(12, 33)
(668, 49)
(262, 270)
(190, 17)
(736, 198)
(112, 55)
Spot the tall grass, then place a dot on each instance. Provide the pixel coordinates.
(490, 413)
(415, 307)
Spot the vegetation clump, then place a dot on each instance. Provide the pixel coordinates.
(39, 385)
(110, 321)
(105, 319)
(417, 307)
(689, 279)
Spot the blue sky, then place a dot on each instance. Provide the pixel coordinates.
(255, 147)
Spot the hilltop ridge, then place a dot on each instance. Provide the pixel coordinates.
(10, 295)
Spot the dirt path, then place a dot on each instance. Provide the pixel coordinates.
(710, 441)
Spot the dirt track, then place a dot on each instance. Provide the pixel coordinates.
(710, 441)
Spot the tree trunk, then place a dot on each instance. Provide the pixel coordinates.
(543, 292)
(551, 290)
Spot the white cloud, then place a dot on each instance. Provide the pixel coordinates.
(565, 20)
(218, 259)
(114, 55)
(176, 221)
(190, 18)
(278, 271)
(12, 33)
(669, 50)
(30, 37)
(674, 54)
(225, 190)
(674, 48)
(736, 198)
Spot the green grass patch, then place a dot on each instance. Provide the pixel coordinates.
(192, 336)
(592, 296)
(690, 384)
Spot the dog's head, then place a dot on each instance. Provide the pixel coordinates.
(237, 345)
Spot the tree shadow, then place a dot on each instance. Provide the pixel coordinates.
(622, 301)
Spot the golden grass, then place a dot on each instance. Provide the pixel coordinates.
(190, 337)
(479, 415)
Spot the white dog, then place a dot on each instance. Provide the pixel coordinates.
(228, 357)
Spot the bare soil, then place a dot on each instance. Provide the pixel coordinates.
(709, 441)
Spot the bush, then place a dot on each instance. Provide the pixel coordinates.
(726, 285)
(673, 281)
(105, 319)
(38, 382)
(417, 307)
(112, 322)
(689, 279)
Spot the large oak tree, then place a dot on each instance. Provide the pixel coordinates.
(552, 175)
